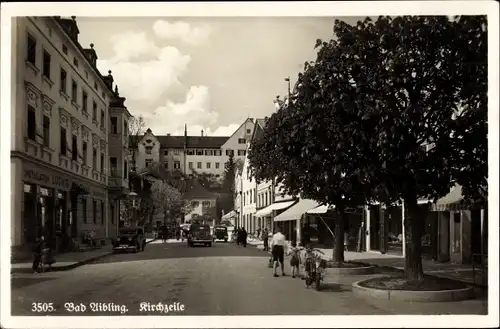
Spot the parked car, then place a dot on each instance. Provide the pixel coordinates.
(199, 234)
(130, 238)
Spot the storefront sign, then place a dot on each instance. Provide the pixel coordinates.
(45, 179)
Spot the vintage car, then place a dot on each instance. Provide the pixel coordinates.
(199, 234)
(130, 238)
(220, 233)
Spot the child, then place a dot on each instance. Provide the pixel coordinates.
(295, 260)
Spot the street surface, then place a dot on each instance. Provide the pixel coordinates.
(222, 280)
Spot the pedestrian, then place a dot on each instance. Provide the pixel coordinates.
(295, 259)
(265, 238)
(244, 236)
(258, 232)
(278, 245)
(37, 253)
(237, 235)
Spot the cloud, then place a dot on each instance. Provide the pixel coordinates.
(130, 45)
(191, 35)
(147, 80)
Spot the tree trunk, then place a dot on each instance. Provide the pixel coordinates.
(338, 250)
(413, 235)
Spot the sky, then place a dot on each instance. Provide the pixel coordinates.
(210, 73)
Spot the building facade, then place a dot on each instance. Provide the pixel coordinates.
(59, 148)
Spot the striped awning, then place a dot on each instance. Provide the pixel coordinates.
(296, 211)
(273, 207)
(229, 215)
(451, 201)
(323, 209)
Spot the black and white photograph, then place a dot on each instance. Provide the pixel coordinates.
(237, 164)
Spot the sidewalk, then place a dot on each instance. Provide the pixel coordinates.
(68, 261)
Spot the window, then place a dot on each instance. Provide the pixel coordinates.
(63, 81)
(149, 163)
(102, 162)
(74, 91)
(165, 152)
(229, 152)
(198, 165)
(74, 148)
(46, 131)
(102, 118)
(84, 209)
(64, 145)
(31, 123)
(242, 152)
(65, 49)
(177, 152)
(125, 128)
(94, 110)
(241, 141)
(94, 211)
(217, 165)
(165, 164)
(85, 99)
(190, 165)
(149, 149)
(113, 163)
(205, 204)
(208, 165)
(248, 131)
(114, 125)
(177, 165)
(102, 212)
(46, 64)
(195, 204)
(95, 85)
(31, 56)
(199, 152)
(94, 158)
(86, 74)
(75, 62)
(190, 152)
(84, 150)
(125, 169)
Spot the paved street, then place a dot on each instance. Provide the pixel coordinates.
(222, 280)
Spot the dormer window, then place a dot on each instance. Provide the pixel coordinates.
(148, 141)
(241, 141)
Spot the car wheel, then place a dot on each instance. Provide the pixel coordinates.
(209, 244)
(225, 240)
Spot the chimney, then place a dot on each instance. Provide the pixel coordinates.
(202, 133)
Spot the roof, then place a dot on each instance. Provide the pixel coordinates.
(194, 190)
(203, 142)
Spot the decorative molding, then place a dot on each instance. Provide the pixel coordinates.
(47, 104)
(95, 140)
(103, 145)
(75, 126)
(64, 117)
(85, 133)
(32, 94)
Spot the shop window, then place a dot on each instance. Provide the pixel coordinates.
(114, 125)
(102, 162)
(64, 146)
(64, 82)
(31, 123)
(94, 211)
(84, 150)
(94, 159)
(31, 56)
(74, 148)
(177, 165)
(46, 64)
(102, 212)
(84, 209)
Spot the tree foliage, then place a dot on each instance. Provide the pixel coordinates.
(136, 128)
(229, 174)
(354, 128)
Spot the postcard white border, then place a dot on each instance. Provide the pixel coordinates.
(362, 8)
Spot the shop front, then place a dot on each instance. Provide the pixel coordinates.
(48, 205)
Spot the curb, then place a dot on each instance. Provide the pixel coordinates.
(62, 268)
(395, 269)
(350, 270)
(412, 296)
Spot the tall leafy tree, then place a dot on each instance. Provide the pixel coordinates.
(229, 174)
(136, 129)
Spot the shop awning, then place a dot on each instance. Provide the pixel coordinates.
(272, 207)
(229, 215)
(323, 209)
(450, 201)
(79, 188)
(297, 210)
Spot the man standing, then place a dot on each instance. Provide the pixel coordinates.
(265, 238)
(278, 245)
(243, 237)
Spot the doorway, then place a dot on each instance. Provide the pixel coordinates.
(374, 227)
